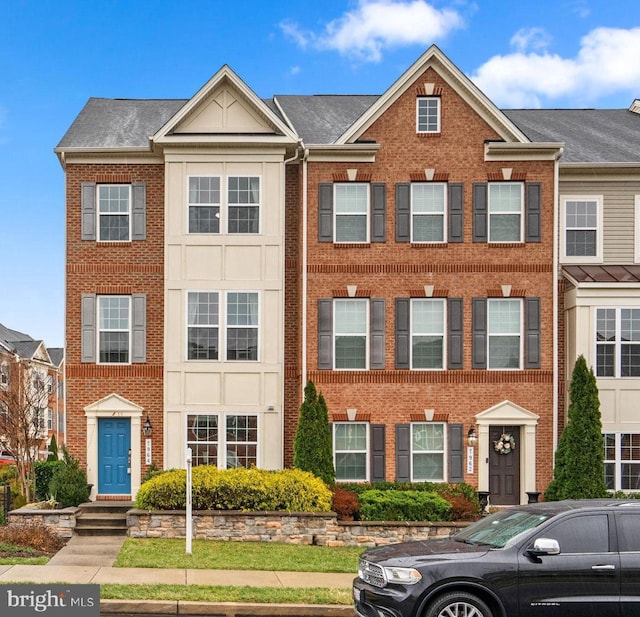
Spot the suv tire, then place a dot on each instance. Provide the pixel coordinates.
(460, 604)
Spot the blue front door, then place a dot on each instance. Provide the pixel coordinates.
(114, 452)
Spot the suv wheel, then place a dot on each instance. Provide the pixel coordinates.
(458, 604)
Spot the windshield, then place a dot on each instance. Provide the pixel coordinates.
(500, 528)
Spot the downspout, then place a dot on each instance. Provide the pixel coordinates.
(305, 180)
(556, 282)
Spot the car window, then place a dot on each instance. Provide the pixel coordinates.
(628, 532)
(500, 528)
(581, 534)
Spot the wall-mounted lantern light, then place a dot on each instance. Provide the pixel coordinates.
(472, 437)
(147, 428)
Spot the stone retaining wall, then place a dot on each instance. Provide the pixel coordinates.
(290, 528)
(62, 522)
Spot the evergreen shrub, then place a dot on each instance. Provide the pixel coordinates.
(44, 472)
(391, 505)
(68, 485)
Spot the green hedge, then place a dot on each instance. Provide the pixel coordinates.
(289, 490)
(44, 471)
(393, 505)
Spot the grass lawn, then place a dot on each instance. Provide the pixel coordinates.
(221, 555)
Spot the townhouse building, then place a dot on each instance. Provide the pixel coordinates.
(401, 251)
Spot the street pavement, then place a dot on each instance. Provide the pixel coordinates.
(89, 560)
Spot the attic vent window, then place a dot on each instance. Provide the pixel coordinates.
(428, 114)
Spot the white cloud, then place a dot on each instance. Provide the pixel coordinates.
(607, 63)
(377, 24)
(530, 38)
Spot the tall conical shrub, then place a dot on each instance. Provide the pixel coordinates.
(312, 449)
(579, 466)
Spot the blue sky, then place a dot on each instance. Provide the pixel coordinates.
(55, 54)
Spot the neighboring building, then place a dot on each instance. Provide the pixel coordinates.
(400, 251)
(29, 374)
(599, 251)
(56, 412)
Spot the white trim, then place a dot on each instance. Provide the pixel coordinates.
(227, 326)
(100, 297)
(520, 212)
(367, 332)
(444, 451)
(491, 301)
(443, 302)
(367, 451)
(445, 212)
(187, 325)
(367, 188)
(197, 205)
(438, 128)
(99, 214)
(581, 259)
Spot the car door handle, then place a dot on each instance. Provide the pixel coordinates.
(604, 567)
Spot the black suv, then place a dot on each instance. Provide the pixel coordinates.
(566, 558)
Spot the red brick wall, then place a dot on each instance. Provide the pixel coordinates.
(128, 268)
(465, 270)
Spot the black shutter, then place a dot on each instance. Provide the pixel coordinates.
(480, 213)
(456, 453)
(377, 348)
(378, 212)
(325, 334)
(456, 212)
(455, 334)
(403, 212)
(378, 470)
(479, 327)
(325, 212)
(403, 452)
(88, 328)
(139, 328)
(532, 327)
(533, 211)
(88, 231)
(139, 212)
(403, 335)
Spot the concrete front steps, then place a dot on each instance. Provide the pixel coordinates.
(102, 518)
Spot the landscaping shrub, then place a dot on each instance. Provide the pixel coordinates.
(68, 484)
(289, 490)
(34, 536)
(345, 504)
(394, 505)
(44, 471)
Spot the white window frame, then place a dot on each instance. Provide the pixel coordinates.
(586, 259)
(100, 214)
(99, 329)
(228, 326)
(366, 451)
(227, 443)
(213, 204)
(4, 375)
(221, 443)
(367, 215)
(519, 333)
(366, 333)
(49, 419)
(636, 211)
(212, 326)
(443, 452)
(615, 344)
(443, 213)
(229, 204)
(443, 333)
(438, 102)
(617, 461)
(520, 212)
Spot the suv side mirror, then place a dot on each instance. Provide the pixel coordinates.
(544, 546)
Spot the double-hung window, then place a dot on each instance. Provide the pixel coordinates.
(242, 325)
(582, 228)
(428, 212)
(204, 204)
(114, 212)
(114, 329)
(505, 208)
(224, 441)
(428, 451)
(243, 203)
(351, 212)
(618, 342)
(622, 461)
(504, 333)
(427, 333)
(428, 114)
(4, 375)
(203, 325)
(351, 451)
(351, 331)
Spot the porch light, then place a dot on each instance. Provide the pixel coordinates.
(147, 428)
(472, 438)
